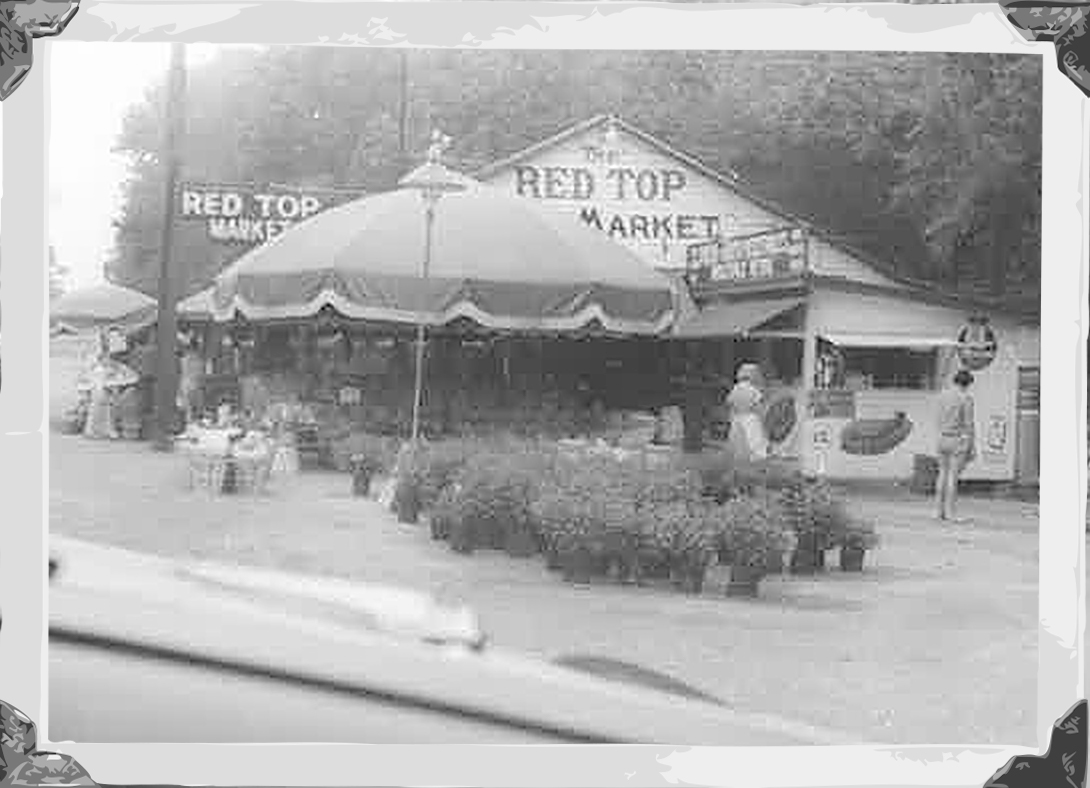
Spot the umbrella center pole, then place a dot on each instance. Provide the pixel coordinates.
(431, 197)
(418, 387)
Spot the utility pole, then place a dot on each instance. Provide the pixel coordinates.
(403, 111)
(166, 379)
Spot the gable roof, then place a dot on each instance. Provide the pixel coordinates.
(730, 181)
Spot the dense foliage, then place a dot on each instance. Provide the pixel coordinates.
(609, 513)
(928, 161)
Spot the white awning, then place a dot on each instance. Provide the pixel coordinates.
(735, 318)
(912, 341)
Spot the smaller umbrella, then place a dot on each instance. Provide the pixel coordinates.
(103, 305)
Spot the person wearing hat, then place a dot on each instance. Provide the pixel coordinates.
(747, 435)
(956, 441)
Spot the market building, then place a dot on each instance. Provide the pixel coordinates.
(854, 356)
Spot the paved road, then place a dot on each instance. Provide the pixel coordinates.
(936, 641)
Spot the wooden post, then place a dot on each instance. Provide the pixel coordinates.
(808, 384)
(167, 321)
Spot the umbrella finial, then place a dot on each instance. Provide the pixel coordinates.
(439, 144)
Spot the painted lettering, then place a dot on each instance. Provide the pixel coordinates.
(685, 228)
(527, 181)
(647, 185)
(617, 227)
(274, 228)
(582, 184)
(265, 202)
(212, 204)
(191, 203)
(672, 181)
(310, 205)
(638, 224)
(591, 217)
(711, 226)
(245, 230)
(287, 206)
(554, 182)
(232, 204)
(661, 227)
(594, 154)
(620, 176)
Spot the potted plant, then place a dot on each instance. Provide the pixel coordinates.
(819, 518)
(578, 562)
(444, 515)
(753, 534)
(692, 542)
(364, 467)
(859, 538)
(406, 501)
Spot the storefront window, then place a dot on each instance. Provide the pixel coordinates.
(888, 368)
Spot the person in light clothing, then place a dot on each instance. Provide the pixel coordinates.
(191, 384)
(747, 433)
(956, 441)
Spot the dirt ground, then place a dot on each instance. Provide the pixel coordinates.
(935, 641)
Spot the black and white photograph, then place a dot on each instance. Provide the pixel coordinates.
(425, 396)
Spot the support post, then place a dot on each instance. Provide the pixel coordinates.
(167, 320)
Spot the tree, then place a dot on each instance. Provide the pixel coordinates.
(920, 159)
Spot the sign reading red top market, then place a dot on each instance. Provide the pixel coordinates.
(650, 189)
(251, 216)
(636, 190)
(977, 344)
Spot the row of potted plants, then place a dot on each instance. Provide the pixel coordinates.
(601, 515)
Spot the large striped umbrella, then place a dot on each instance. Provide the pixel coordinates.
(500, 261)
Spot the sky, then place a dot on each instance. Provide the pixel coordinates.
(91, 86)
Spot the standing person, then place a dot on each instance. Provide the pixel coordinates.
(747, 434)
(956, 442)
(191, 383)
(101, 421)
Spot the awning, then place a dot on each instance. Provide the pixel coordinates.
(734, 318)
(890, 340)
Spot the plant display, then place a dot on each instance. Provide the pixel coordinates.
(488, 507)
(424, 472)
(819, 518)
(754, 533)
(597, 512)
(375, 453)
(857, 539)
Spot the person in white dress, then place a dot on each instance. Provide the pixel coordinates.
(747, 438)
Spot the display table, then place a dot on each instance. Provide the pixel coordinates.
(227, 460)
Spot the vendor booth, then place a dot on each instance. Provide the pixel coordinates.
(533, 322)
(853, 357)
(602, 270)
(855, 376)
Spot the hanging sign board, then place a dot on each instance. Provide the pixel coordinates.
(633, 189)
(977, 344)
(250, 215)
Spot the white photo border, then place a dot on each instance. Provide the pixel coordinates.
(23, 431)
